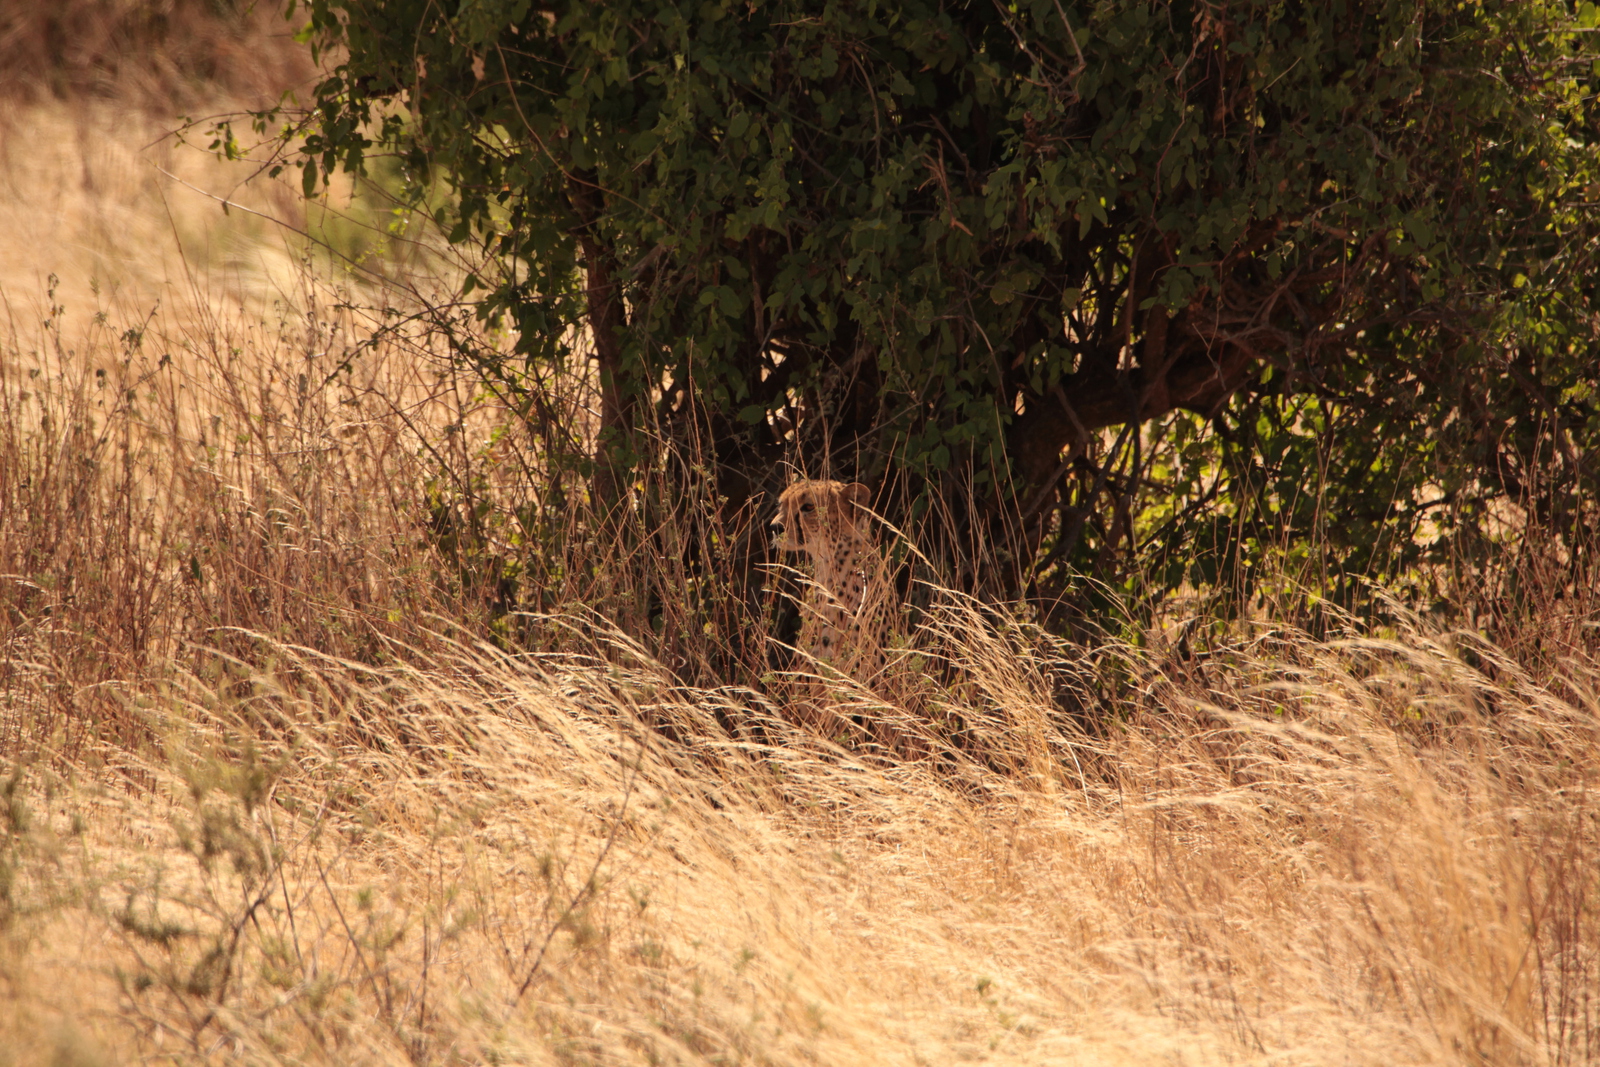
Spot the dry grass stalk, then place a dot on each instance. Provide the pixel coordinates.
(1341, 856)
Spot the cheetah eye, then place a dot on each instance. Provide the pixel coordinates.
(807, 508)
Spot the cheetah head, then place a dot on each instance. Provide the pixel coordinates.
(815, 513)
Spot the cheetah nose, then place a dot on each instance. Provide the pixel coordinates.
(775, 526)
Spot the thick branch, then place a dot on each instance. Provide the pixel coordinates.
(1188, 375)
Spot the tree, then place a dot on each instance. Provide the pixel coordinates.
(1014, 256)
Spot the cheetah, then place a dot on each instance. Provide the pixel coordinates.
(850, 607)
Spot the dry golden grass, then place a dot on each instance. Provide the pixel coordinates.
(94, 185)
(284, 779)
(163, 56)
(1366, 852)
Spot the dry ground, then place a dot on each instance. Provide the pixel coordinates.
(271, 796)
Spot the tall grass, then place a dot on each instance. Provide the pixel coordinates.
(1364, 851)
(334, 729)
(161, 55)
(160, 490)
(293, 773)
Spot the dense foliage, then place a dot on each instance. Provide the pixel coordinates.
(1119, 282)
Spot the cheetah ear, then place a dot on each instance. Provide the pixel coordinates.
(858, 494)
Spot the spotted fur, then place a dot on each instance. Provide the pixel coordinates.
(849, 603)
